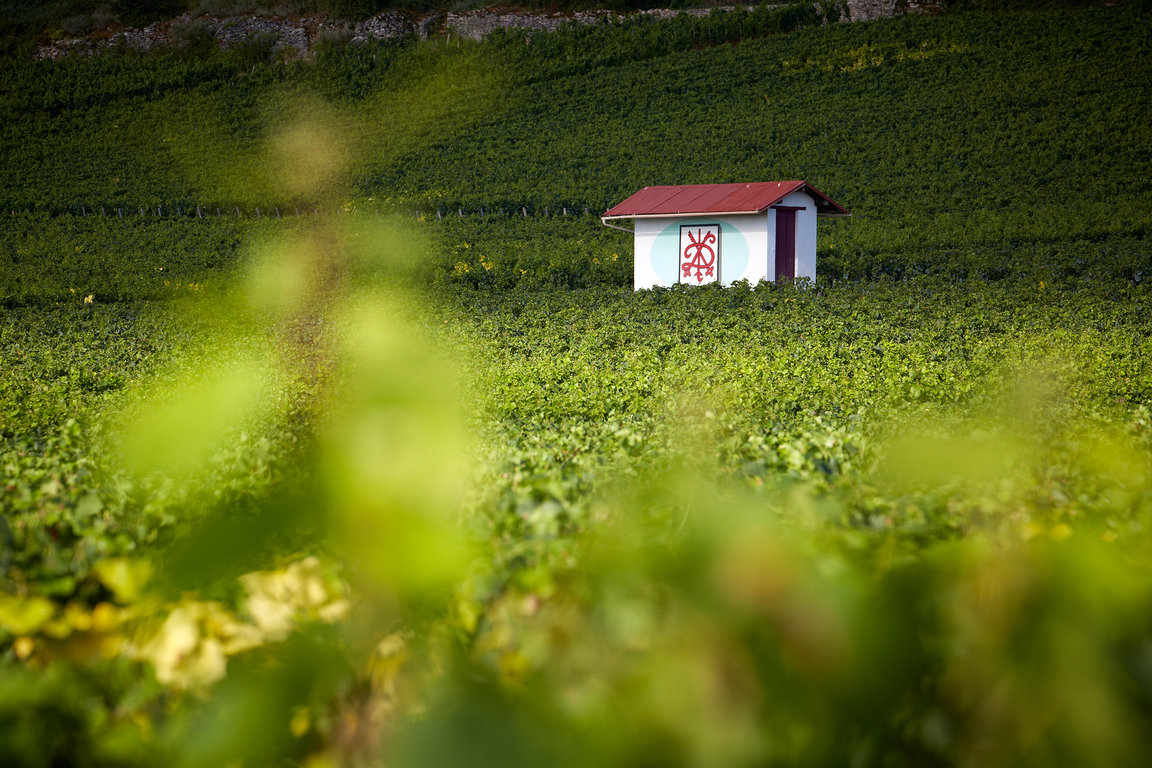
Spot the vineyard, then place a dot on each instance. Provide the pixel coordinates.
(332, 433)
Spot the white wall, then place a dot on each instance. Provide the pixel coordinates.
(747, 245)
(743, 243)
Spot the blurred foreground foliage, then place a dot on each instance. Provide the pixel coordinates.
(410, 526)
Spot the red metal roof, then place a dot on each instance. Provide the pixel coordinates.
(718, 198)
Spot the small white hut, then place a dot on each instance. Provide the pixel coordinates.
(721, 233)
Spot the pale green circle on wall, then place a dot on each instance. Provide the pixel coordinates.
(665, 253)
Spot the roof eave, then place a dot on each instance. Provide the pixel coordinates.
(682, 213)
(818, 196)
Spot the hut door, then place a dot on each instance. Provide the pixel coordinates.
(785, 243)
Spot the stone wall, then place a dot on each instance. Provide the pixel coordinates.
(867, 10)
(477, 24)
(296, 35)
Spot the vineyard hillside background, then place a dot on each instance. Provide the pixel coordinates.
(332, 432)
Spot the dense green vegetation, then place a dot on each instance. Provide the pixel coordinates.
(331, 487)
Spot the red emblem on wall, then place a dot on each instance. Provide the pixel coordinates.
(699, 253)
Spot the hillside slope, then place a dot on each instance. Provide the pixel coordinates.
(968, 131)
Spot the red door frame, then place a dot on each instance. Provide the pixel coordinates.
(786, 241)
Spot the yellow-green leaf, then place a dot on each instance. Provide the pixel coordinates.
(126, 577)
(25, 615)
